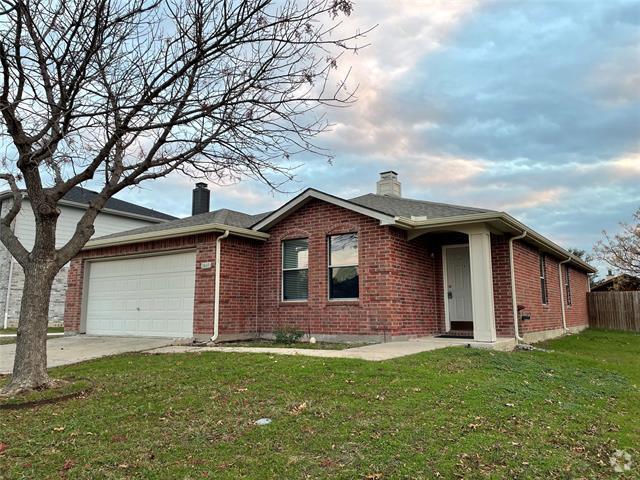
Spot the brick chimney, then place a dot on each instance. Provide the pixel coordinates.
(200, 199)
(388, 184)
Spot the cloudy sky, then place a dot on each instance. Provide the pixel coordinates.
(532, 107)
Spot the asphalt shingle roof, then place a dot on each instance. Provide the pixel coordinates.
(402, 207)
(223, 216)
(406, 207)
(84, 196)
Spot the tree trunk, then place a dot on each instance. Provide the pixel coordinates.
(30, 365)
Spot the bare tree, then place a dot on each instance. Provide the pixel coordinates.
(622, 251)
(121, 92)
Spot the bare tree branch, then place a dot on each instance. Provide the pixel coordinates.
(119, 93)
(6, 231)
(622, 251)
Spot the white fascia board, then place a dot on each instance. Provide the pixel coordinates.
(504, 218)
(174, 233)
(305, 196)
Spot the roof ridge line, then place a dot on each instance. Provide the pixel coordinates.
(426, 201)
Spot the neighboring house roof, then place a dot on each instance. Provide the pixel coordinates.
(416, 216)
(80, 197)
(84, 196)
(620, 282)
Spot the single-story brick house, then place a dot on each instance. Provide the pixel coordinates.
(377, 266)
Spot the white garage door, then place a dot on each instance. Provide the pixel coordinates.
(145, 296)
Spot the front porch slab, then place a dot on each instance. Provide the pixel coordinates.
(376, 352)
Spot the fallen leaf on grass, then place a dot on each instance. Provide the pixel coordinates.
(68, 464)
(327, 463)
(373, 476)
(58, 429)
(298, 409)
(3, 447)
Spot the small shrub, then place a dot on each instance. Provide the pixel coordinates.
(287, 335)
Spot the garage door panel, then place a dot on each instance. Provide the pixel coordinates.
(146, 296)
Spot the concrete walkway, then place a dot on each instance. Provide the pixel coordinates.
(376, 352)
(78, 348)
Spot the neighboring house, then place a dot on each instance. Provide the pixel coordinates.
(116, 217)
(617, 283)
(374, 267)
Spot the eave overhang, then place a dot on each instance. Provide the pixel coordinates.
(174, 233)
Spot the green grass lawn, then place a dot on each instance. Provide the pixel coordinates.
(7, 340)
(453, 413)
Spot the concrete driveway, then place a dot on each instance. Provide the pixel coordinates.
(78, 348)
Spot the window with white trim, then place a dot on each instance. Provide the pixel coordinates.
(543, 280)
(295, 269)
(343, 267)
(567, 283)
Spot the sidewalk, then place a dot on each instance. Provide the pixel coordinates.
(376, 352)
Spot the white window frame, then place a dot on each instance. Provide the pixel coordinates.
(329, 267)
(282, 270)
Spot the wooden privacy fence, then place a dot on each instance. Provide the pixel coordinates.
(615, 310)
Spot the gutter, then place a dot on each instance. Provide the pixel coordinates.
(564, 315)
(503, 217)
(514, 300)
(173, 233)
(216, 298)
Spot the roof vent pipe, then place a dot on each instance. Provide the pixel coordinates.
(200, 199)
(388, 185)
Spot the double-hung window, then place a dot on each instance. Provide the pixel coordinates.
(543, 280)
(567, 283)
(295, 269)
(343, 267)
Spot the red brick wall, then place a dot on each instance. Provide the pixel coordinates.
(577, 313)
(238, 285)
(410, 279)
(502, 298)
(528, 291)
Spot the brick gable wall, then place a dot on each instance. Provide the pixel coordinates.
(371, 314)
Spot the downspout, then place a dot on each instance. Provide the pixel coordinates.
(216, 294)
(564, 315)
(8, 297)
(514, 300)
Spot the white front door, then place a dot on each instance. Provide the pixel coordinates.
(457, 284)
(145, 296)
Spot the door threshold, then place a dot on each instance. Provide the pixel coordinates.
(455, 335)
